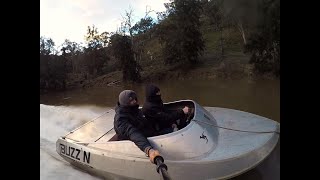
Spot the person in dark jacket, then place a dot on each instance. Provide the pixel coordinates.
(130, 124)
(164, 121)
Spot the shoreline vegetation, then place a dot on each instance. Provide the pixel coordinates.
(190, 40)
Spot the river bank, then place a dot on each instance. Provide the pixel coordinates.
(234, 67)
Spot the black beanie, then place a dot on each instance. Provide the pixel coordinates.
(151, 94)
(151, 90)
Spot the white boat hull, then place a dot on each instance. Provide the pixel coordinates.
(223, 154)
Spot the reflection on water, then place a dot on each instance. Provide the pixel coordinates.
(260, 97)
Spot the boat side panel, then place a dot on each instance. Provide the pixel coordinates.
(137, 168)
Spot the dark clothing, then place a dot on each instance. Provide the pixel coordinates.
(159, 116)
(154, 110)
(130, 124)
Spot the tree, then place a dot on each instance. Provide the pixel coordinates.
(44, 71)
(95, 53)
(70, 48)
(71, 51)
(52, 69)
(94, 39)
(143, 25)
(52, 66)
(46, 46)
(264, 43)
(122, 50)
(214, 11)
(57, 72)
(127, 24)
(244, 14)
(181, 35)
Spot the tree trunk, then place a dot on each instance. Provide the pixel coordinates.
(221, 42)
(240, 26)
(140, 55)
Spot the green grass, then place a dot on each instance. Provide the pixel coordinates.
(232, 41)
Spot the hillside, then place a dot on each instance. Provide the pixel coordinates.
(234, 65)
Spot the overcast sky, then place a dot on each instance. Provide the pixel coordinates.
(69, 19)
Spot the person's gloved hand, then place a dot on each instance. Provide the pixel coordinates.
(174, 127)
(152, 154)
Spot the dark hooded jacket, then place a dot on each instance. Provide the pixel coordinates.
(130, 124)
(154, 110)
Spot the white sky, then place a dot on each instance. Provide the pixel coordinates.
(69, 19)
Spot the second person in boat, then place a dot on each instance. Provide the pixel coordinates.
(163, 120)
